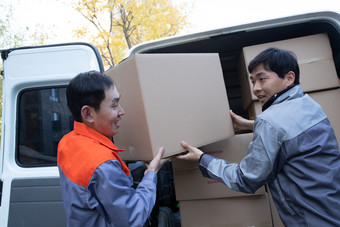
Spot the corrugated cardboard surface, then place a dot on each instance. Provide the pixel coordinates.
(237, 211)
(168, 98)
(254, 110)
(330, 103)
(189, 182)
(314, 54)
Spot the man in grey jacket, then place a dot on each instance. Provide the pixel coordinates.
(294, 148)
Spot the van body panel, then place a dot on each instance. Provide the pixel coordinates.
(31, 198)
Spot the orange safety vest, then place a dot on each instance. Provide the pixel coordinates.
(82, 150)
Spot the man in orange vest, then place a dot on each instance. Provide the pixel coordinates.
(96, 185)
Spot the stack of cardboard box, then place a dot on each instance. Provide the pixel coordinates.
(206, 202)
(318, 79)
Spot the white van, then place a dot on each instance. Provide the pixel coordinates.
(35, 115)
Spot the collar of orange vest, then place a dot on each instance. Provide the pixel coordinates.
(85, 130)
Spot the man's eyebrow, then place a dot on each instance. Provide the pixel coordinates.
(257, 75)
(116, 99)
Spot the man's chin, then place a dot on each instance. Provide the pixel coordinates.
(115, 132)
(262, 102)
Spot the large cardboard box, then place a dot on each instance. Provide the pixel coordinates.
(168, 98)
(314, 54)
(237, 211)
(329, 101)
(191, 185)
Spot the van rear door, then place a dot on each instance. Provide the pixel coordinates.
(34, 118)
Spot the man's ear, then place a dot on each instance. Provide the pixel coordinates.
(290, 77)
(86, 114)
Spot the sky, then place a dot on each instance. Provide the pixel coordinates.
(57, 17)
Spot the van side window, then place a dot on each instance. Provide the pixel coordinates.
(43, 120)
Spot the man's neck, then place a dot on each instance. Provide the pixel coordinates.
(274, 97)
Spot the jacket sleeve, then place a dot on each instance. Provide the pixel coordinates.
(254, 169)
(111, 193)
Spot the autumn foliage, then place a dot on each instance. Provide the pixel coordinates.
(117, 25)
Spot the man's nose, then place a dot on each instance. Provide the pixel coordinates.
(121, 110)
(256, 87)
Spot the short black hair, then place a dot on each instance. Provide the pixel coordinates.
(277, 60)
(87, 88)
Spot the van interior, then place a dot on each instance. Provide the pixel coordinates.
(228, 43)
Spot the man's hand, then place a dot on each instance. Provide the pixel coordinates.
(193, 153)
(240, 123)
(157, 162)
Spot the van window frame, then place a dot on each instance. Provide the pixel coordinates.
(18, 154)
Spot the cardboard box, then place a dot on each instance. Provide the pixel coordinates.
(254, 110)
(237, 211)
(329, 101)
(191, 185)
(314, 56)
(168, 98)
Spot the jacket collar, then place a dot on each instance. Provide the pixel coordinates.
(85, 130)
(288, 93)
